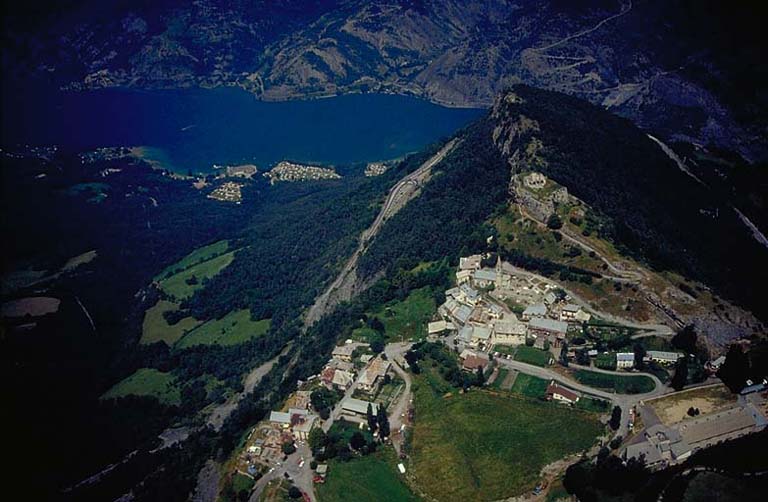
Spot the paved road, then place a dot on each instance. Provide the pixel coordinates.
(399, 195)
(398, 409)
(301, 475)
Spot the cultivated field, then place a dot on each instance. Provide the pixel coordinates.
(147, 382)
(673, 408)
(529, 385)
(485, 446)
(373, 478)
(630, 384)
(234, 328)
(531, 355)
(156, 329)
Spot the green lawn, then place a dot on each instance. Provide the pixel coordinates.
(407, 318)
(241, 482)
(592, 404)
(147, 382)
(156, 329)
(532, 355)
(630, 384)
(196, 257)
(503, 372)
(530, 386)
(373, 477)
(486, 446)
(606, 361)
(234, 328)
(177, 286)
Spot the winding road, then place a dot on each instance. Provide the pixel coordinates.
(623, 401)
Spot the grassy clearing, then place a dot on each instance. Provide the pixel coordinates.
(241, 482)
(147, 382)
(156, 329)
(275, 491)
(529, 385)
(234, 328)
(592, 404)
(531, 355)
(373, 477)
(406, 319)
(503, 372)
(78, 260)
(485, 446)
(606, 361)
(196, 257)
(630, 384)
(178, 285)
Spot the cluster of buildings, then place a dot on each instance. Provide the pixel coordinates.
(246, 171)
(664, 445)
(288, 171)
(229, 191)
(376, 168)
(351, 371)
(363, 374)
(475, 312)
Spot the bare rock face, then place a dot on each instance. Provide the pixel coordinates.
(642, 60)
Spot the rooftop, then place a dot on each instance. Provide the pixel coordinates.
(561, 391)
(538, 309)
(358, 406)
(548, 325)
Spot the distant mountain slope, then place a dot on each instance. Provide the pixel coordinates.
(684, 69)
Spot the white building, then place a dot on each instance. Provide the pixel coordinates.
(532, 311)
(509, 332)
(663, 357)
(625, 360)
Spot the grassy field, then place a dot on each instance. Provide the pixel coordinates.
(156, 329)
(241, 482)
(530, 355)
(147, 382)
(530, 386)
(196, 257)
(503, 372)
(234, 328)
(486, 446)
(606, 361)
(592, 404)
(630, 384)
(373, 477)
(407, 318)
(177, 285)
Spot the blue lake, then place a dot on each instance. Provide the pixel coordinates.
(192, 129)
